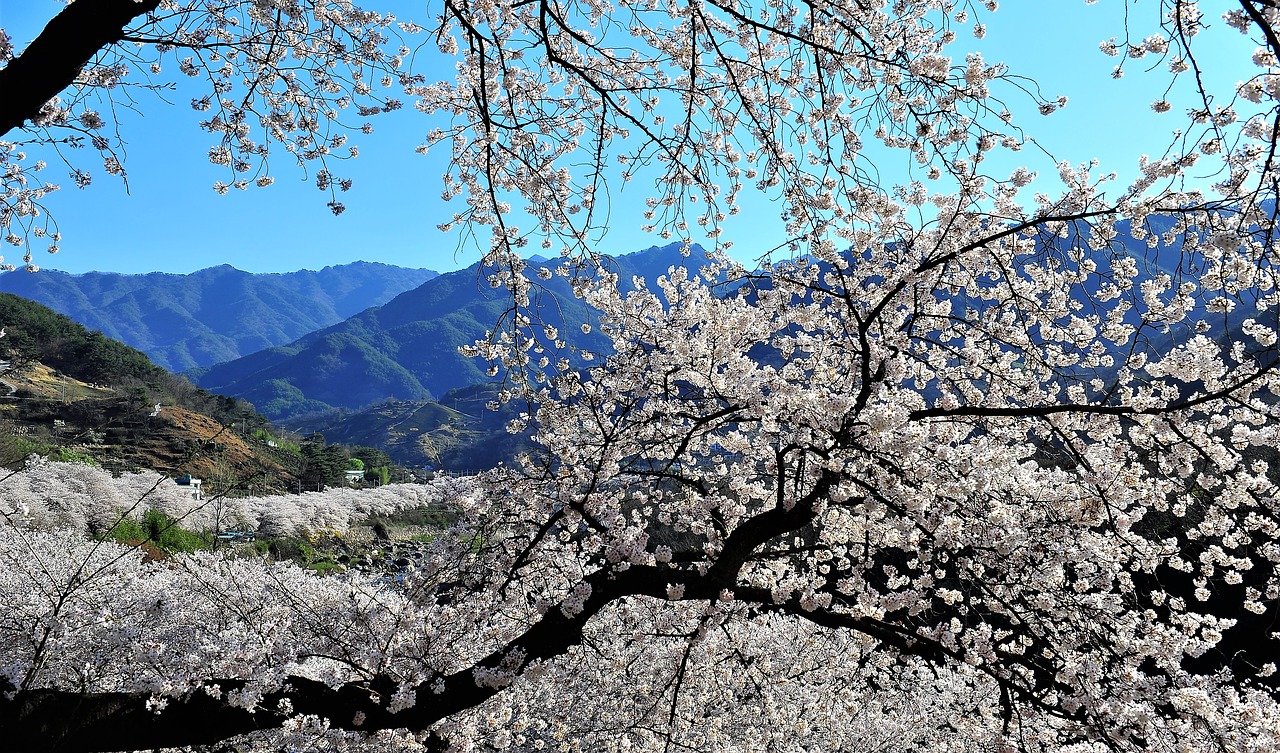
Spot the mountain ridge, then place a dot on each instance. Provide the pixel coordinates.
(215, 314)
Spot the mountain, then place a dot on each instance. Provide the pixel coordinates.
(215, 314)
(408, 348)
(74, 394)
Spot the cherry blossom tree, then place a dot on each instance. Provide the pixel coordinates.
(976, 462)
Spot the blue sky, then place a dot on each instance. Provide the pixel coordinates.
(170, 219)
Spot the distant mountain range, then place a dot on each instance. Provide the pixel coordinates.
(368, 353)
(73, 394)
(407, 349)
(216, 314)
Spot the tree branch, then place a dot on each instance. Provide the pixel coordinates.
(53, 60)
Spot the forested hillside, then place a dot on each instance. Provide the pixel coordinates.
(73, 393)
(458, 433)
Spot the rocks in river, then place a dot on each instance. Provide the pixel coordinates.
(365, 549)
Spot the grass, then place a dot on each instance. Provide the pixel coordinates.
(324, 567)
(160, 537)
(431, 516)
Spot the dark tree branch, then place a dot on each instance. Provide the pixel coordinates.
(1040, 411)
(62, 721)
(53, 60)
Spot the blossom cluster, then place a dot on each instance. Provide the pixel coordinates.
(284, 79)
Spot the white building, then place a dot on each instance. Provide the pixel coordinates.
(193, 485)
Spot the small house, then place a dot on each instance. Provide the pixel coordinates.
(193, 485)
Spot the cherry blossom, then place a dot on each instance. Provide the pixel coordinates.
(982, 458)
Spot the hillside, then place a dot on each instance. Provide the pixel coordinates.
(407, 349)
(73, 393)
(215, 314)
(458, 433)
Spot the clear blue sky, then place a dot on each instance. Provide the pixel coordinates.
(171, 220)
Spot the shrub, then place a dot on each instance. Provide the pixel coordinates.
(159, 530)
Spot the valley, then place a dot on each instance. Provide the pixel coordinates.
(388, 376)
